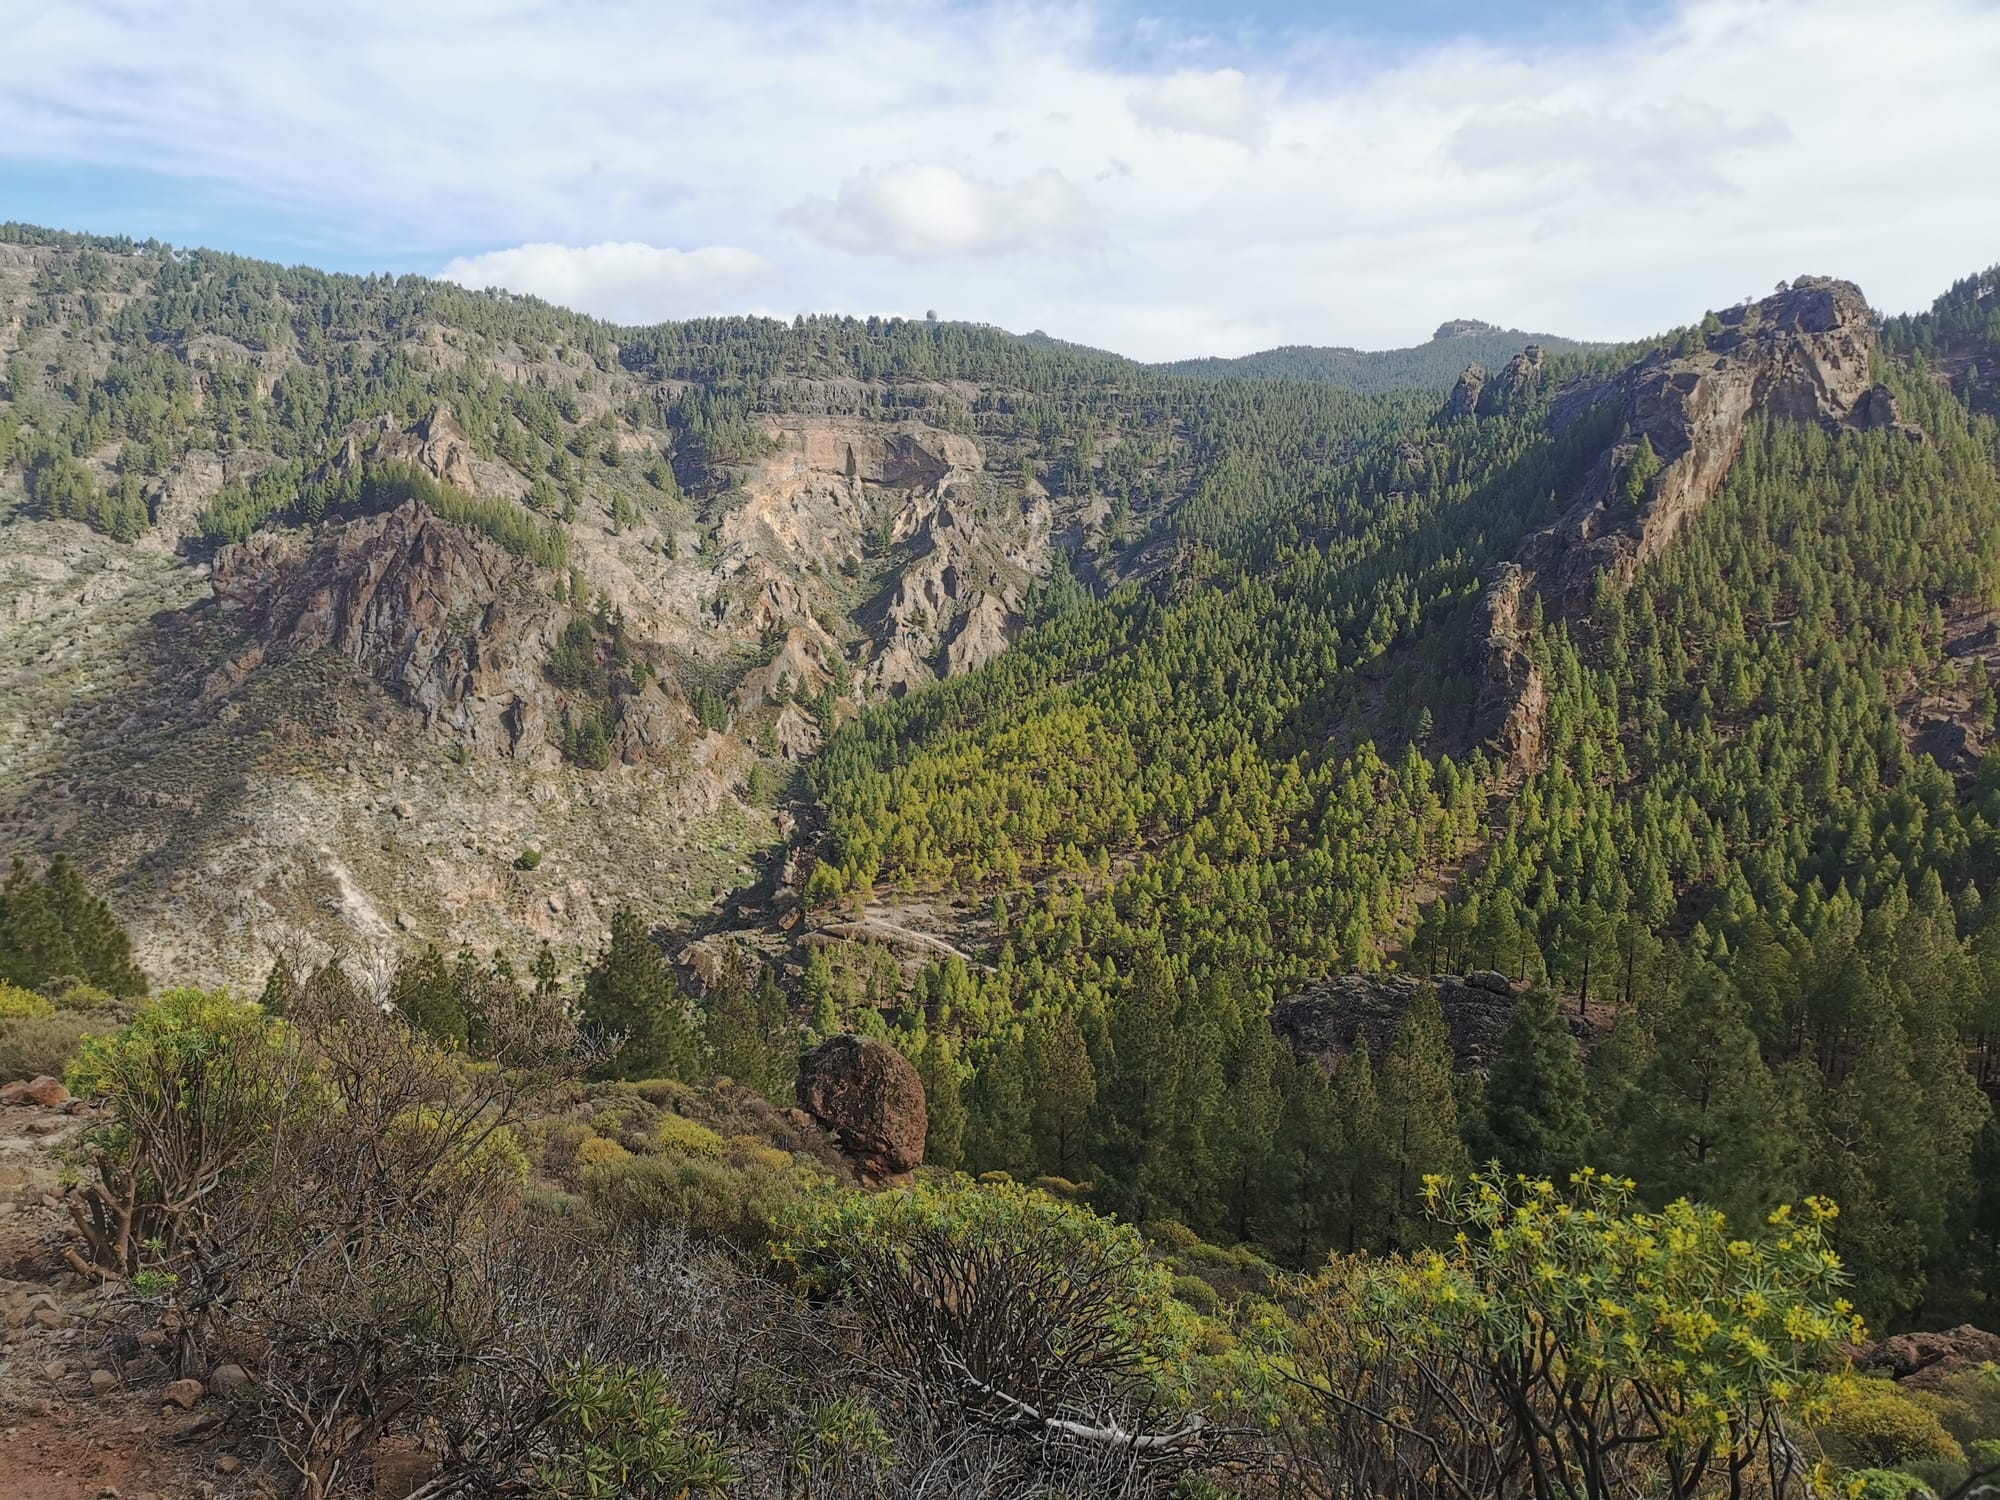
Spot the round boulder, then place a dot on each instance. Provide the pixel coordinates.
(866, 1093)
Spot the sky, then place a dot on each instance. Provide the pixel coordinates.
(1165, 178)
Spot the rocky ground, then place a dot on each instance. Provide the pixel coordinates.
(87, 1410)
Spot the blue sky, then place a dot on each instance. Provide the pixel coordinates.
(1164, 177)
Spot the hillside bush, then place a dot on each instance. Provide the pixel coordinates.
(1568, 1343)
(37, 1046)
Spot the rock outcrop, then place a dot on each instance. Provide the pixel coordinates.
(448, 621)
(1922, 1360)
(436, 443)
(1515, 386)
(866, 1093)
(1800, 355)
(42, 1092)
(1326, 1021)
(1464, 399)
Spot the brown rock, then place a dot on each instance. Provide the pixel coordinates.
(227, 1379)
(1924, 1359)
(43, 1092)
(444, 618)
(103, 1382)
(868, 1095)
(184, 1393)
(1464, 400)
(228, 1463)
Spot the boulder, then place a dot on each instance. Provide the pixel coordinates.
(866, 1093)
(226, 1379)
(184, 1393)
(43, 1092)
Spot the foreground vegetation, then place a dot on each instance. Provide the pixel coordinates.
(464, 1217)
(563, 1289)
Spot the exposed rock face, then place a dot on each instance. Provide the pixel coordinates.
(1326, 1021)
(1516, 385)
(451, 623)
(867, 1094)
(1461, 328)
(1801, 354)
(1464, 400)
(1924, 1359)
(436, 444)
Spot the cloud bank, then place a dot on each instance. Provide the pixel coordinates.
(623, 281)
(1031, 166)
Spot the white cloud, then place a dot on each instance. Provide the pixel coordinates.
(620, 280)
(1012, 162)
(925, 209)
(1219, 104)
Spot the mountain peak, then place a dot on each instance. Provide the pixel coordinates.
(1463, 328)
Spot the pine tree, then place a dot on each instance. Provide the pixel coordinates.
(1304, 1168)
(425, 993)
(547, 973)
(1362, 1192)
(631, 993)
(102, 953)
(282, 987)
(1711, 1122)
(1420, 1133)
(944, 1102)
(1063, 1088)
(750, 1034)
(1537, 1104)
(34, 945)
(1138, 1096)
(1256, 1107)
(997, 1132)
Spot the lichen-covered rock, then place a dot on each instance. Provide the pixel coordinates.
(866, 1093)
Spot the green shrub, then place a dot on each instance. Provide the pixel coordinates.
(17, 1004)
(1040, 1299)
(679, 1134)
(528, 859)
(1869, 1423)
(1884, 1484)
(1198, 1295)
(710, 1199)
(663, 1092)
(84, 996)
(38, 1045)
(1968, 1403)
(615, 1432)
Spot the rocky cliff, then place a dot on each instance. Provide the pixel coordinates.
(1802, 354)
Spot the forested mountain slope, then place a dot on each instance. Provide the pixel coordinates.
(1059, 718)
(1734, 590)
(384, 591)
